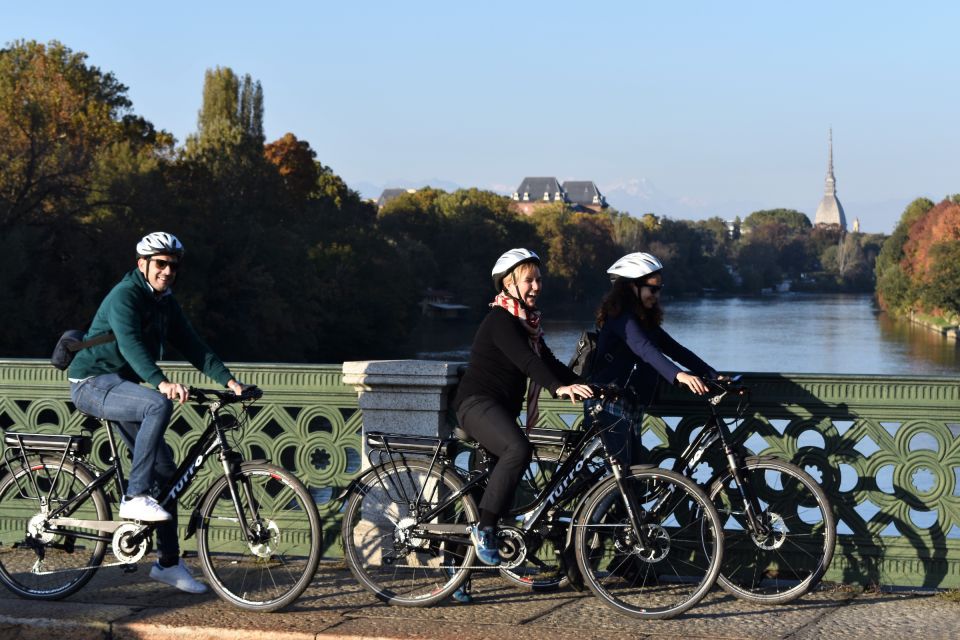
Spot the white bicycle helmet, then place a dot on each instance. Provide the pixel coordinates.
(510, 261)
(159, 243)
(634, 265)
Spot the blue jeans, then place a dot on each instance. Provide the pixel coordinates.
(621, 436)
(142, 416)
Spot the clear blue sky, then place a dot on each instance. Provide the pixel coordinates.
(686, 109)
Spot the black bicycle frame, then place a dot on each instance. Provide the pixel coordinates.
(568, 479)
(212, 440)
(716, 430)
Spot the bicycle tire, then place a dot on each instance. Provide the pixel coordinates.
(791, 561)
(270, 574)
(679, 564)
(67, 562)
(380, 551)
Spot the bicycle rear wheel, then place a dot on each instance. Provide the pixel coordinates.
(790, 557)
(667, 569)
(38, 562)
(394, 553)
(271, 570)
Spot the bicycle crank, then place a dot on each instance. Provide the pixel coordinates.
(513, 550)
(129, 546)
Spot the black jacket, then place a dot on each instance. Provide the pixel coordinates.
(501, 360)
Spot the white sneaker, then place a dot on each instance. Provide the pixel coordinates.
(177, 576)
(143, 508)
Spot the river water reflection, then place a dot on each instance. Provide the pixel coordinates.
(784, 333)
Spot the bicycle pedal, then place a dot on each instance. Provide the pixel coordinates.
(130, 568)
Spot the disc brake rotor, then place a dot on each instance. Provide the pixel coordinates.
(265, 549)
(776, 532)
(657, 548)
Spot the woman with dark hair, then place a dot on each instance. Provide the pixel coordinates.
(508, 349)
(634, 352)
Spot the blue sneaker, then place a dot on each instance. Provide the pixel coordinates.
(462, 594)
(485, 542)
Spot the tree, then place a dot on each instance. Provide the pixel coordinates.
(894, 290)
(941, 293)
(295, 161)
(80, 175)
(230, 121)
(56, 114)
(790, 218)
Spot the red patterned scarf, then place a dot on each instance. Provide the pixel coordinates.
(531, 322)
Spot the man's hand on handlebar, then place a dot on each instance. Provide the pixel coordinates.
(575, 392)
(174, 391)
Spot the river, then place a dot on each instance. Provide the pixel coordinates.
(783, 333)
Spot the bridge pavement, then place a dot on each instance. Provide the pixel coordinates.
(119, 605)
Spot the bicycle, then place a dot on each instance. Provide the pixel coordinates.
(258, 529)
(648, 542)
(779, 527)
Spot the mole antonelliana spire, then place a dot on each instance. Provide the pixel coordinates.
(830, 210)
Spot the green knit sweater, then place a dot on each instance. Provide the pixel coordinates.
(143, 322)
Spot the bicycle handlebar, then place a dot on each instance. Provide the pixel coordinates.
(717, 387)
(225, 395)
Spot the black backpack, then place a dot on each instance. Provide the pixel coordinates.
(584, 362)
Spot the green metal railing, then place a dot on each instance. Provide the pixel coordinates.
(886, 450)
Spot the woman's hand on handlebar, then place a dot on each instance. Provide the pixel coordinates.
(236, 386)
(575, 392)
(692, 382)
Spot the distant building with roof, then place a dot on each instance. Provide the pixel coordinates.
(391, 194)
(830, 211)
(584, 194)
(581, 195)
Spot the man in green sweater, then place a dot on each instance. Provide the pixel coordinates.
(143, 316)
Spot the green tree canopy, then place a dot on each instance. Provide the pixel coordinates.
(789, 218)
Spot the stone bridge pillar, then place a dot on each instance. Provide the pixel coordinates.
(403, 396)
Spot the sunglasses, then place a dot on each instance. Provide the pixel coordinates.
(654, 288)
(163, 264)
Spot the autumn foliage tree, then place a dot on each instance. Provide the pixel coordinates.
(917, 268)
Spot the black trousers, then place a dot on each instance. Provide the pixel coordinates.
(497, 431)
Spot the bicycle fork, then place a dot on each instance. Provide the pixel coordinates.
(751, 506)
(636, 514)
(230, 461)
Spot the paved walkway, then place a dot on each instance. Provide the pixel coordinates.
(119, 605)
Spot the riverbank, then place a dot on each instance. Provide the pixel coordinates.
(939, 325)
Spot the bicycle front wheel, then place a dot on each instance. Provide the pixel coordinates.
(392, 550)
(791, 549)
(268, 566)
(37, 560)
(668, 566)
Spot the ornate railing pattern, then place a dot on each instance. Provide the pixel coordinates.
(886, 449)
